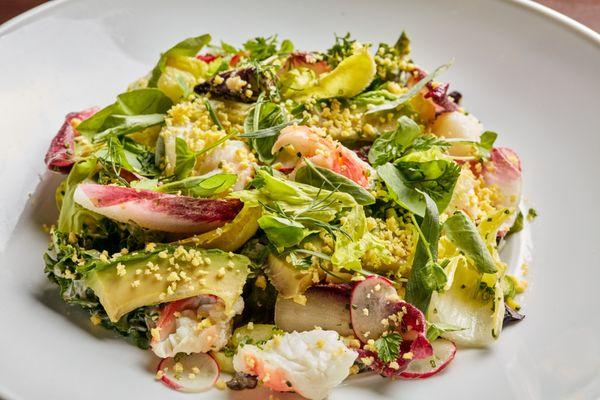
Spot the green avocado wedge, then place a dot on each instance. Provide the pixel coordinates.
(167, 274)
(348, 79)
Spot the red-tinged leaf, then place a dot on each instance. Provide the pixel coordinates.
(503, 170)
(307, 60)
(207, 58)
(157, 211)
(60, 156)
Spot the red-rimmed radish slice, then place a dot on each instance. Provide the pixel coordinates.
(413, 347)
(370, 303)
(157, 211)
(443, 353)
(192, 373)
(60, 156)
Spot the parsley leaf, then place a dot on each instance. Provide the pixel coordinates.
(342, 48)
(261, 48)
(388, 347)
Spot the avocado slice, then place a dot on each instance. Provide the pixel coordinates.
(230, 236)
(167, 274)
(348, 79)
(289, 281)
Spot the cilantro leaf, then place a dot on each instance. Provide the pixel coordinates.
(388, 347)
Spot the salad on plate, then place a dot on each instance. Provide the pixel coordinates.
(263, 215)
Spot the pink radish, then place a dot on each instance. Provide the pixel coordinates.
(370, 303)
(503, 170)
(157, 211)
(192, 373)
(60, 156)
(375, 308)
(411, 350)
(326, 306)
(443, 353)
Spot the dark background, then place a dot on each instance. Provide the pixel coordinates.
(584, 11)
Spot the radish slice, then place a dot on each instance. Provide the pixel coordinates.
(192, 373)
(326, 307)
(157, 211)
(443, 353)
(60, 156)
(414, 346)
(370, 303)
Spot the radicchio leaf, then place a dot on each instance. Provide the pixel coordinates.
(60, 156)
(157, 211)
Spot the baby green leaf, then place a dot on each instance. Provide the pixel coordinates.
(390, 145)
(416, 88)
(133, 111)
(327, 179)
(435, 330)
(426, 275)
(188, 47)
(186, 159)
(262, 126)
(462, 232)
(282, 232)
(200, 186)
(400, 191)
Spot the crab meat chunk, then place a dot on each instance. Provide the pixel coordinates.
(309, 363)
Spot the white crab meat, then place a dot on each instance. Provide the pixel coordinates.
(199, 329)
(310, 363)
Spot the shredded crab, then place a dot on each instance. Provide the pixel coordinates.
(195, 325)
(309, 363)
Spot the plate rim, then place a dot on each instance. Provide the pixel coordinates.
(530, 6)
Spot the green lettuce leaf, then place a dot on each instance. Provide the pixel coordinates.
(353, 240)
(327, 179)
(188, 47)
(426, 275)
(132, 112)
(390, 145)
(463, 233)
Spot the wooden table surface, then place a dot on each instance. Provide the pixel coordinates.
(585, 11)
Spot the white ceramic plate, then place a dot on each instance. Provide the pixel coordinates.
(527, 72)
